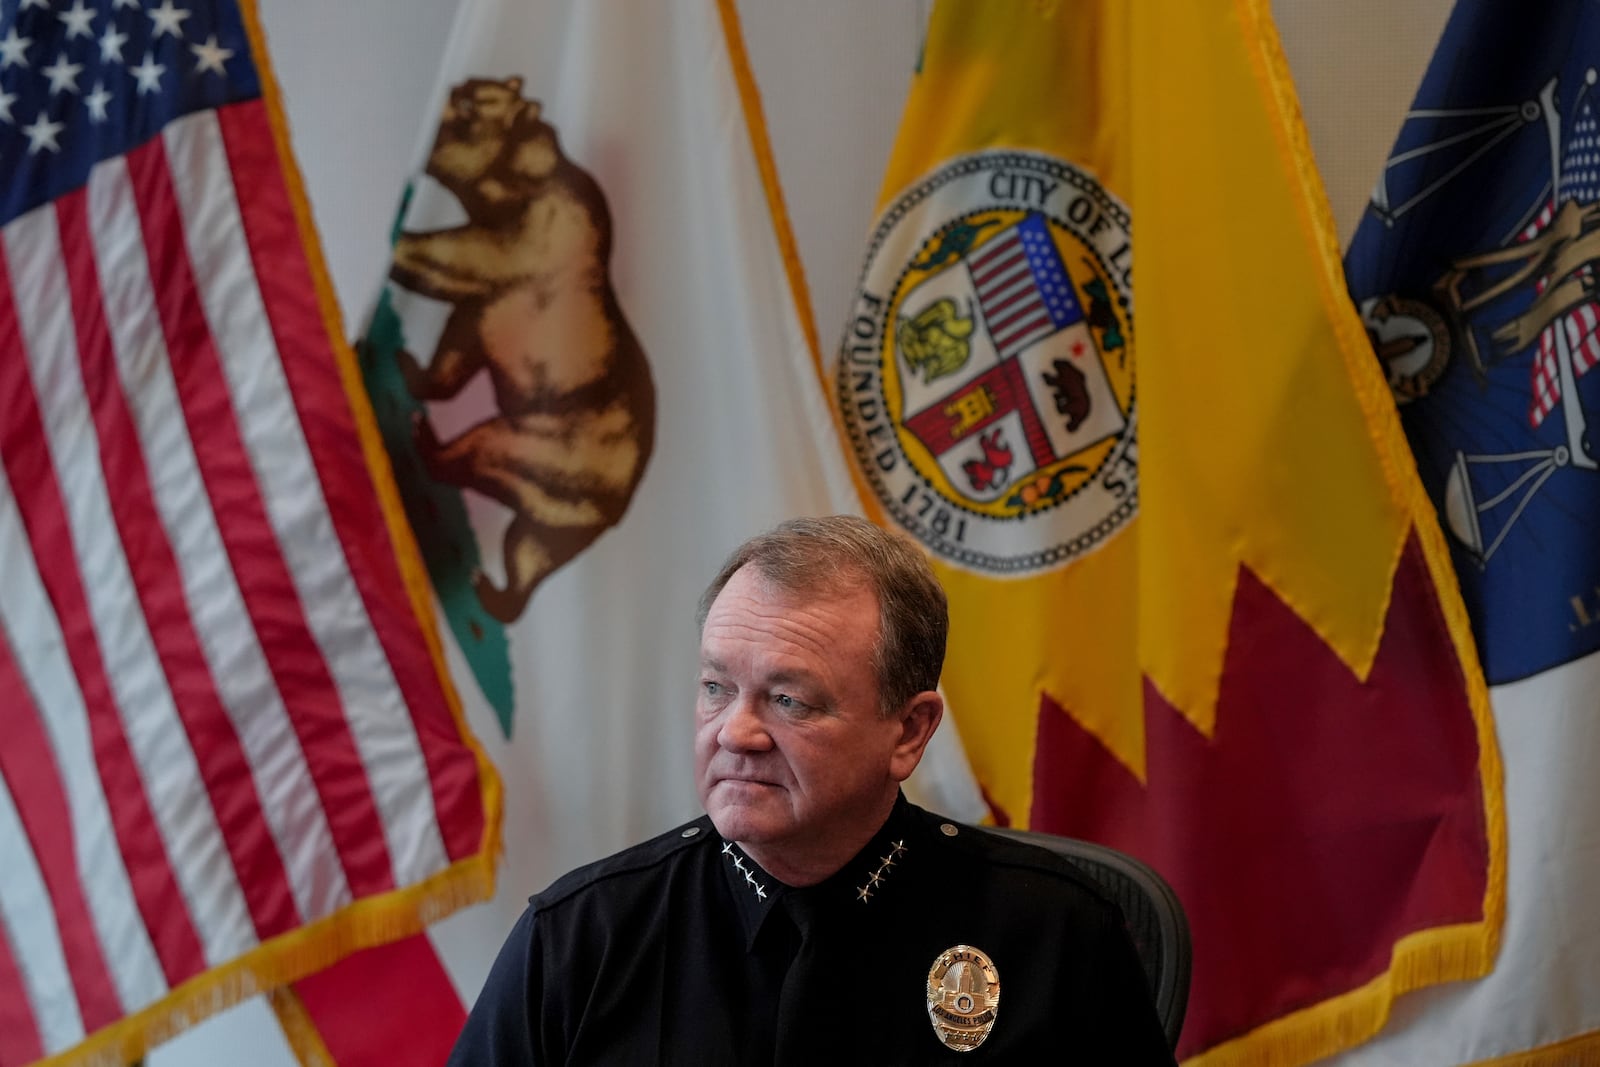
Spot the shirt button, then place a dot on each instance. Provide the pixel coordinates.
(690, 832)
(948, 829)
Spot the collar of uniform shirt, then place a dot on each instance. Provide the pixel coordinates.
(856, 885)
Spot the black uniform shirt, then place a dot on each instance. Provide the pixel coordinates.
(682, 950)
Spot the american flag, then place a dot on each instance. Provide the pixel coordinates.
(228, 753)
(1022, 287)
(1580, 182)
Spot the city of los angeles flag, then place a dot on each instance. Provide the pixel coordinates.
(1101, 365)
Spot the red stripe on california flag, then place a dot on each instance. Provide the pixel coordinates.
(309, 365)
(310, 697)
(32, 474)
(28, 765)
(19, 1033)
(159, 583)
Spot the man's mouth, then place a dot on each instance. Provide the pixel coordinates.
(736, 779)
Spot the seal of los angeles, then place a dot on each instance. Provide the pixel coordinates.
(987, 374)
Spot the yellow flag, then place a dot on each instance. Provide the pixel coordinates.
(1195, 585)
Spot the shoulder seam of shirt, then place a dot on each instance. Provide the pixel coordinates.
(631, 860)
(1020, 855)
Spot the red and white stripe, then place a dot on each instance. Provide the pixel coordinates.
(1015, 313)
(1582, 328)
(33, 1013)
(221, 718)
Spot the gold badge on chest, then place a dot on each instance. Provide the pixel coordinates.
(963, 997)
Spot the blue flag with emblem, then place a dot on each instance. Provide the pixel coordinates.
(1475, 273)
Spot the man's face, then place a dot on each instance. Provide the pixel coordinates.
(791, 755)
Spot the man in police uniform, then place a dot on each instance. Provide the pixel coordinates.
(813, 914)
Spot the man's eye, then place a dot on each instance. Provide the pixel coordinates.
(711, 689)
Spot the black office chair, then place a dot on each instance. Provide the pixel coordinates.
(1151, 910)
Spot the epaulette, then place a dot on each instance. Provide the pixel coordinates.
(994, 849)
(638, 858)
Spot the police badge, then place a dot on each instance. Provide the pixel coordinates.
(963, 997)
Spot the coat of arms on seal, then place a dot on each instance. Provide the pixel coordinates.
(987, 376)
(963, 997)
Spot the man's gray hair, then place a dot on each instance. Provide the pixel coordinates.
(836, 555)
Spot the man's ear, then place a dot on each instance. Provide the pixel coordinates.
(917, 721)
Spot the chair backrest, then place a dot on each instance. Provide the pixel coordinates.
(1151, 910)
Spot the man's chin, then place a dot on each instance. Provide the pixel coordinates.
(750, 812)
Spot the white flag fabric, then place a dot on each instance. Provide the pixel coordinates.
(594, 287)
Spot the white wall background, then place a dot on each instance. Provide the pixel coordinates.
(357, 75)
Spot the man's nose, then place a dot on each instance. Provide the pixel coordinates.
(742, 727)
